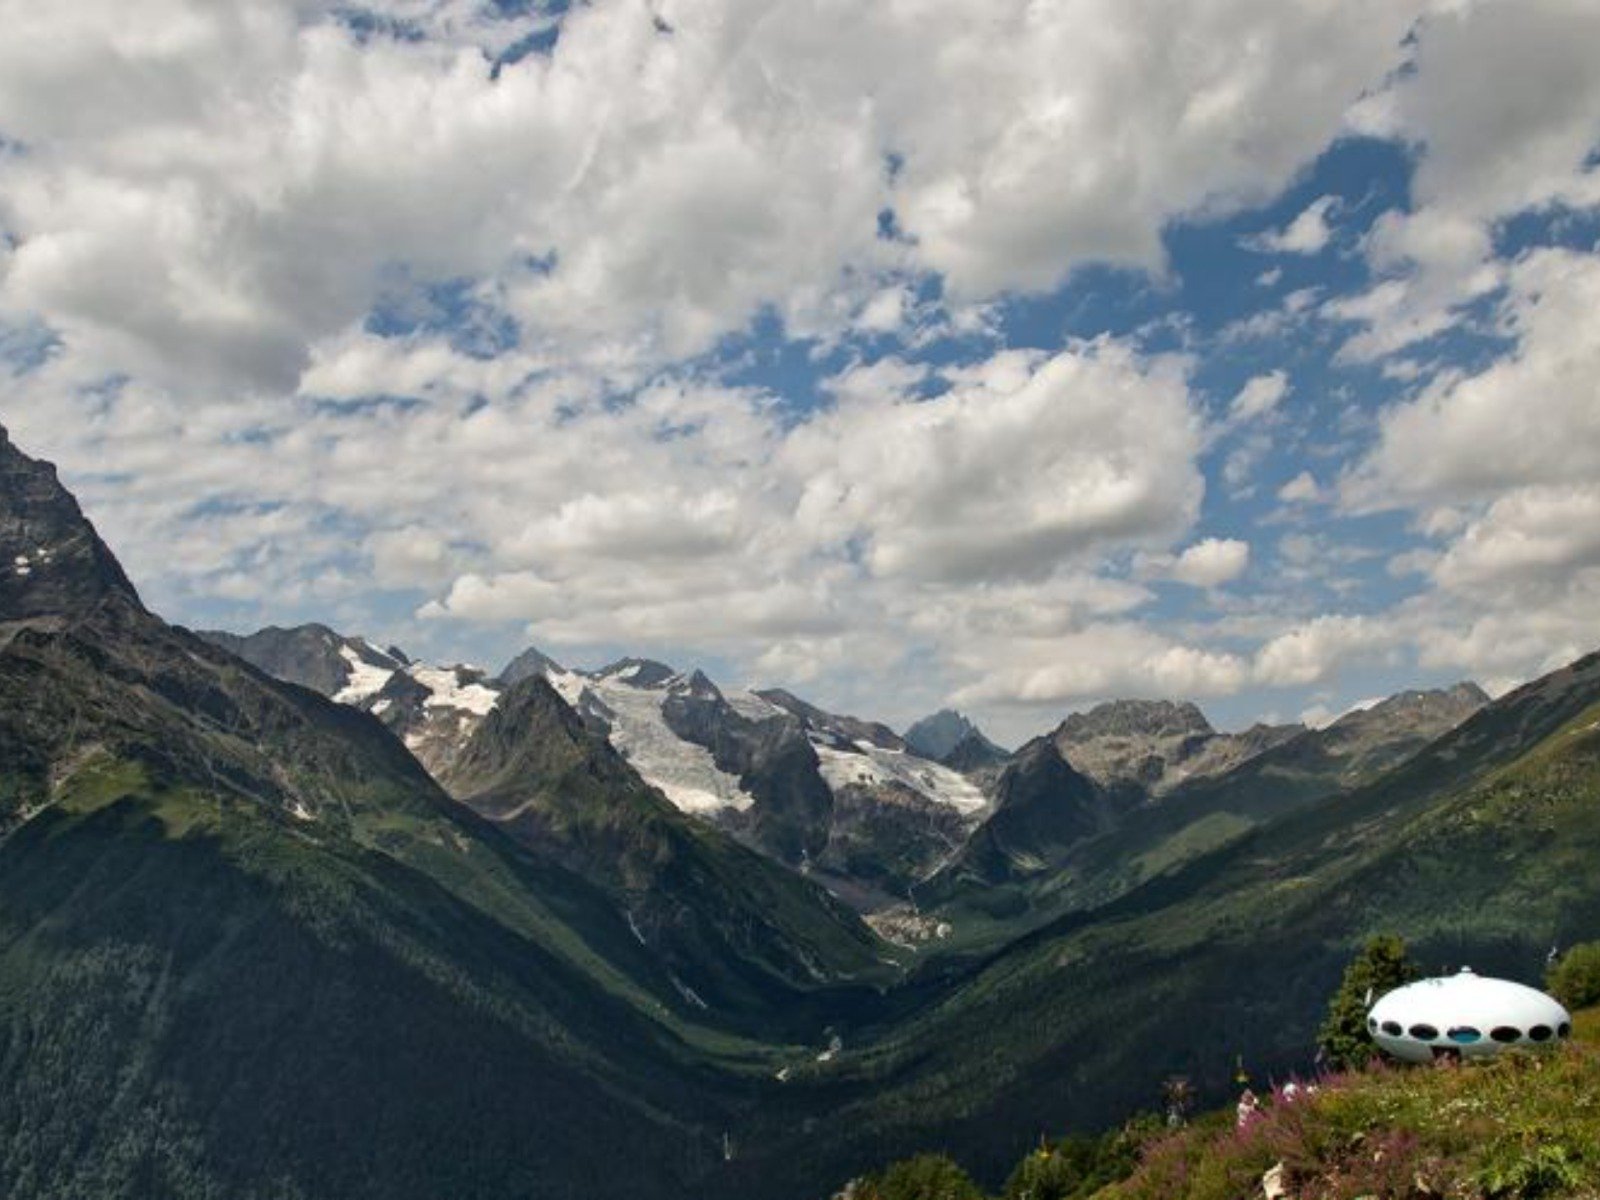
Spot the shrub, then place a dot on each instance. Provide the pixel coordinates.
(926, 1177)
(1575, 978)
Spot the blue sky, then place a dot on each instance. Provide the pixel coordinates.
(996, 355)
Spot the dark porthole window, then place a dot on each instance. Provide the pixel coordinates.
(1392, 1028)
(1540, 1033)
(1464, 1035)
(1505, 1034)
(1424, 1033)
(1564, 1029)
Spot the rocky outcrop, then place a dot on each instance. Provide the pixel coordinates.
(1144, 748)
(773, 760)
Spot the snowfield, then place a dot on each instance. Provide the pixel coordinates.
(874, 765)
(365, 679)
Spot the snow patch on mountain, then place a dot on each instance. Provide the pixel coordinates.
(685, 772)
(450, 690)
(365, 678)
(873, 765)
(751, 706)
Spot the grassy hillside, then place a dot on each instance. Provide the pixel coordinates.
(1522, 1126)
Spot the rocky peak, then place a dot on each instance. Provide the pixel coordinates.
(1430, 708)
(845, 729)
(937, 735)
(532, 731)
(1043, 807)
(52, 562)
(974, 753)
(312, 655)
(1135, 718)
(696, 684)
(530, 662)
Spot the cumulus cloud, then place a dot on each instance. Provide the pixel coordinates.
(1527, 537)
(231, 183)
(1027, 461)
(1486, 152)
(1208, 563)
(1107, 660)
(1531, 417)
(1311, 652)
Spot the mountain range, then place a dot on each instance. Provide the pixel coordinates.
(291, 915)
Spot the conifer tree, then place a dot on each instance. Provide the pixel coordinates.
(1381, 966)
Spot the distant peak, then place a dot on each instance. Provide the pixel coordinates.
(1148, 718)
(937, 735)
(697, 684)
(530, 662)
(637, 672)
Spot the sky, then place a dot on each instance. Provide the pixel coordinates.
(1010, 356)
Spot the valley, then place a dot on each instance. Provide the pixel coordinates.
(286, 884)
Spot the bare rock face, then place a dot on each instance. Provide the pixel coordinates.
(773, 760)
(1369, 741)
(313, 656)
(1148, 747)
(53, 564)
(950, 737)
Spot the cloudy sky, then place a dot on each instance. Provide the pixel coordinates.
(1013, 355)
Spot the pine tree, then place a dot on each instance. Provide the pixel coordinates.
(1381, 966)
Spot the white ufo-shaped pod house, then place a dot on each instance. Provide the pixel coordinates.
(1465, 1015)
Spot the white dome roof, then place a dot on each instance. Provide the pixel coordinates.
(1466, 1014)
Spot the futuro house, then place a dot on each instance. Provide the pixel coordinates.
(1464, 1016)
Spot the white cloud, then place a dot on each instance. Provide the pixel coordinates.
(1532, 417)
(213, 190)
(1109, 660)
(1302, 489)
(1258, 397)
(1026, 462)
(1206, 564)
(1527, 538)
(1487, 151)
(1317, 649)
(1308, 233)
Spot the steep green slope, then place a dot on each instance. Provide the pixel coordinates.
(198, 999)
(1479, 850)
(744, 934)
